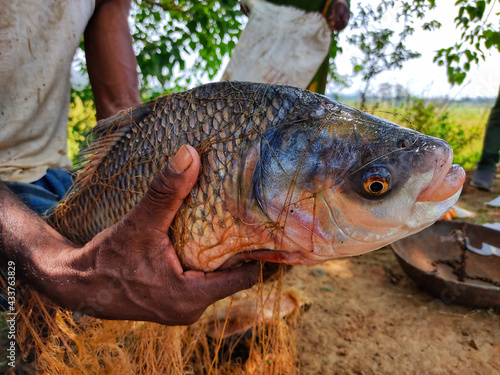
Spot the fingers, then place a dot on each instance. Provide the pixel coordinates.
(245, 9)
(168, 189)
(218, 285)
(339, 16)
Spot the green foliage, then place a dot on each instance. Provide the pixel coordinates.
(80, 123)
(461, 123)
(477, 33)
(432, 120)
(383, 49)
(165, 32)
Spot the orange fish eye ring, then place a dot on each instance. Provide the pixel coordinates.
(377, 185)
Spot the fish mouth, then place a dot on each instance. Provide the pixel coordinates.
(263, 255)
(447, 180)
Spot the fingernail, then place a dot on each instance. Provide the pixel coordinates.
(181, 161)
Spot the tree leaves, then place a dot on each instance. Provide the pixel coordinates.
(477, 34)
(166, 32)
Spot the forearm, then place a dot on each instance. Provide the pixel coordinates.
(48, 261)
(110, 57)
(35, 248)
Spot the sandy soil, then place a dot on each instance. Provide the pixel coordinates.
(368, 317)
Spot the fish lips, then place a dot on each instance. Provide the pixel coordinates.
(447, 179)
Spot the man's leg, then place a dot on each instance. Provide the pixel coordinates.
(486, 168)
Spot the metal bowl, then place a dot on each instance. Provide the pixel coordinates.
(443, 260)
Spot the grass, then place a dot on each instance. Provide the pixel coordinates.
(473, 118)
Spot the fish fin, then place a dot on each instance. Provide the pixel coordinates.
(105, 135)
(123, 119)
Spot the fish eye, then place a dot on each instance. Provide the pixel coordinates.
(377, 181)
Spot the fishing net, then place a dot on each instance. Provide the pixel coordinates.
(63, 342)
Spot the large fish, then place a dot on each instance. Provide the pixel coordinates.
(287, 175)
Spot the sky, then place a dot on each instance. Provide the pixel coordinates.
(423, 77)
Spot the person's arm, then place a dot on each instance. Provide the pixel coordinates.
(111, 61)
(128, 271)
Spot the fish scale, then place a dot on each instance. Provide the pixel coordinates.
(214, 119)
(284, 175)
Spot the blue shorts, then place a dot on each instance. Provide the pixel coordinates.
(43, 195)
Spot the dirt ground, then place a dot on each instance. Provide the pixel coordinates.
(368, 317)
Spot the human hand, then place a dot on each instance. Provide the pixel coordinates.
(339, 15)
(130, 270)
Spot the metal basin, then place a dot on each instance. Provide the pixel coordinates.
(440, 260)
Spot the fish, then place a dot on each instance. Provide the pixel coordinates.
(287, 176)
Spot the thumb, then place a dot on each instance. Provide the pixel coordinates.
(168, 189)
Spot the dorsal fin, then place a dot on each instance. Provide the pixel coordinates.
(124, 118)
(105, 135)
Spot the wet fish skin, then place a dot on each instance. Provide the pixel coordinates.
(282, 169)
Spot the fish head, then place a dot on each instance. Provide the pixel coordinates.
(343, 182)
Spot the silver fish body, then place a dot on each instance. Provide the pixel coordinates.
(287, 175)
